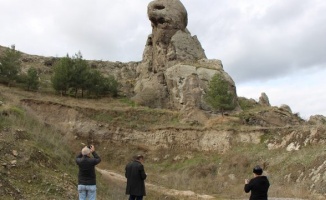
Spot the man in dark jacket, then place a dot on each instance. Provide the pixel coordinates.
(86, 174)
(136, 176)
(258, 185)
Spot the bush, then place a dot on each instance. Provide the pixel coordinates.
(246, 104)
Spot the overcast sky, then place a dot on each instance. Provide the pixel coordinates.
(277, 47)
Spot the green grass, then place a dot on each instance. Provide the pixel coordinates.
(128, 102)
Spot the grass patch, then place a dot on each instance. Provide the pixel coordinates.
(128, 102)
(139, 119)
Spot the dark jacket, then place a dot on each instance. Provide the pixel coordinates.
(258, 187)
(136, 176)
(86, 174)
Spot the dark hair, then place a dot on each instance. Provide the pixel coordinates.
(257, 170)
(138, 157)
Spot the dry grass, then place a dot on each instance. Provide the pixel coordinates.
(211, 173)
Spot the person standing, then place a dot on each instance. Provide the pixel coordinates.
(86, 174)
(258, 185)
(135, 174)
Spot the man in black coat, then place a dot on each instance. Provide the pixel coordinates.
(86, 174)
(258, 185)
(136, 176)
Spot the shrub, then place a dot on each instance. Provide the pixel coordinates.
(219, 96)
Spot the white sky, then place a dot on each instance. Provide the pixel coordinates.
(277, 47)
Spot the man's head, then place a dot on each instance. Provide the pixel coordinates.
(139, 157)
(86, 151)
(257, 170)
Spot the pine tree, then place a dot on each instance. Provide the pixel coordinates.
(10, 65)
(218, 95)
(32, 77)
(62, 75)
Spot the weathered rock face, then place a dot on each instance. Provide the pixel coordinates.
(174, 72)
(286, 107)
(189, 82)
(263, 99)
(170, 40)
(317, 120)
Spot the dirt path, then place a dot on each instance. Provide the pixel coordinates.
(169, 192)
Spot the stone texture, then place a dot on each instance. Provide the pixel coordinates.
(174, 72)
(188, 84)
(317, 120)
(286, 107)
(170, 40)
(263, 100)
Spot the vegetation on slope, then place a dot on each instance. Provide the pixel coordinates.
(38, 161)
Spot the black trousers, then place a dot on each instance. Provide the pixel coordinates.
(133, 197)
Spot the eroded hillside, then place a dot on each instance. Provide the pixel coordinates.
(211, 158)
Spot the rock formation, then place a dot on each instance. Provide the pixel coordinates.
(174, 72)
(286, 107)
(317, 120)
(170, 40)
(263, 99)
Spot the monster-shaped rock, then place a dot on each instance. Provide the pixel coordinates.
(174, 72)
(170, 40)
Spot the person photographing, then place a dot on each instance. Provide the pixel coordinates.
(258, 185)
(86, 160)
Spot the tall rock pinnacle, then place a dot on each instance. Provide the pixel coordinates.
(170, 40)
(175, 72)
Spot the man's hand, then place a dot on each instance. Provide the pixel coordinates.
(92, 148)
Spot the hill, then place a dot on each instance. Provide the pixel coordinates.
(191, 150)
(41, 133)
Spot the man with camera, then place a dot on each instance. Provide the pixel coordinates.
(86, 174)
(258, 185)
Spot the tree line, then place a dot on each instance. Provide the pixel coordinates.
(71, 76)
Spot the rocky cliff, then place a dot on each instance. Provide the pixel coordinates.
(174, 72)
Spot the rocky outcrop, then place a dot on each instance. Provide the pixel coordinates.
(317, 120)
(175, 72)
(170, 40)
(125, 73)
(263, 100)
(188, 82)
(286, 108)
